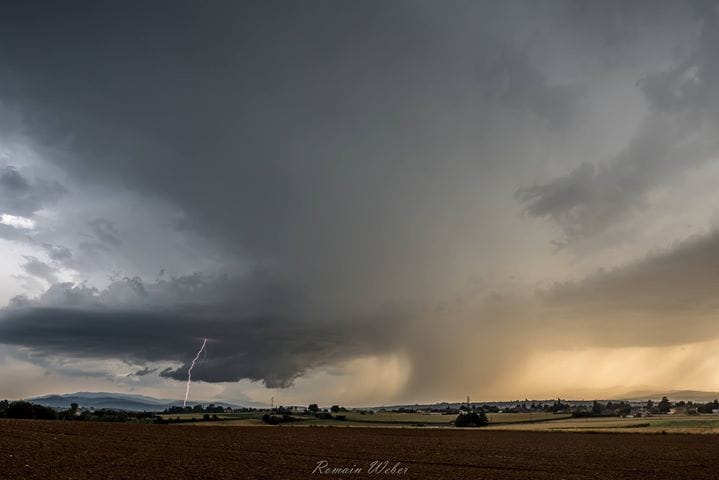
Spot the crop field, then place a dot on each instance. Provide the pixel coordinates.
(439, 419)
(32, 449)
(498, 421)
(384, 419)
(655, 424)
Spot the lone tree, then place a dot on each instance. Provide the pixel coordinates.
(472, 419)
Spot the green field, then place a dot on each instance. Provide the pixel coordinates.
(221, 416)
(655, 424)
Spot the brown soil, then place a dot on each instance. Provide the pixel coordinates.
(76, 450)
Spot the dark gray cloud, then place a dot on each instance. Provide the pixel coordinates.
(57, 253)
(8, 232)
(21, 196)
(255, 329)
(676, 135)
(37, 268)
(312, 138)
(590, 198)
(105, 231)
(507, 76)
(144, 371)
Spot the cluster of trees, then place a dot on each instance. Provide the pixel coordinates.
(283, 414)
(519, 407)
(23, 409)
(598, 409)
(364, 412)
(472, 419)
(206, 417)
(211, 408)
(314, 408)
(696, 408)
(277, 419)
(708, 407)
(108, 415)
(663, 406)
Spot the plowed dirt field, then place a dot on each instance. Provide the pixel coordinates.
(32, 449)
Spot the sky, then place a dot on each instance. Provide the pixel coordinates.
(359, 203)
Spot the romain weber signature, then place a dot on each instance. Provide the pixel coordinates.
(377, 467)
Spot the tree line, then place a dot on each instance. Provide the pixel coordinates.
(29, 410)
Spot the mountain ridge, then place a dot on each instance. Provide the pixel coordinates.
(117, 401)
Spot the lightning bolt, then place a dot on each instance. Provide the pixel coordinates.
(189, 370)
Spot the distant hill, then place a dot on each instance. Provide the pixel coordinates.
(673, 395)
(117, 401)
(654, 394)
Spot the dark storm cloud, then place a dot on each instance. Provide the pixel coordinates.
(22, 196)
(251, 106)
(105, 231)
(589, 199)
(310, 138)
(677, 133)
(507, 76)
(252, 326)
(144, 371)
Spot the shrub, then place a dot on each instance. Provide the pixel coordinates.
(277, 419)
